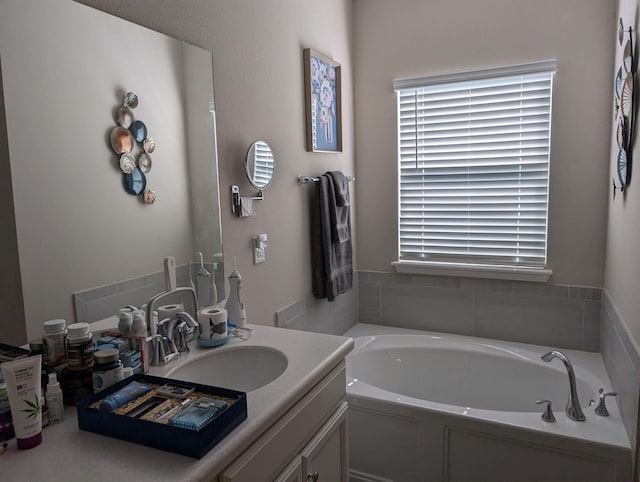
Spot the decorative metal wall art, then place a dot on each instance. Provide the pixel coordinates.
(625, 108)
(125, 137)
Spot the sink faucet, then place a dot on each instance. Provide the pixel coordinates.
(573, 410)
(164, 342)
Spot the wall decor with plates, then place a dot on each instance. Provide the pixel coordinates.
(128, 135)
(625, 107)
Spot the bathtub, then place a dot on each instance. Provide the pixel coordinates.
(427, 406)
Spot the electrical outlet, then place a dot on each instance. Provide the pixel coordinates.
(259, 255)
(259, 251)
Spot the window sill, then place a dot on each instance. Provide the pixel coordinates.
(473, 271)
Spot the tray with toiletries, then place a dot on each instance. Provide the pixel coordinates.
(181, 417)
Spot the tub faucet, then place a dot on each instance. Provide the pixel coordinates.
(573, 410)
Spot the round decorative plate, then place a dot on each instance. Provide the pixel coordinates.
(149, 196)
(136, 182)
(149, 145)
(139, 130)
(620, 30)
(619, 82)
(627, 58)
(144, 162)
(621, 134)
(131, 100)
(627, 95)
(622, 167)
(121, 140)
(127, 163)
(124, 117)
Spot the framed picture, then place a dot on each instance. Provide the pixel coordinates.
(323, 102)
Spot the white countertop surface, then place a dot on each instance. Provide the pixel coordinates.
(70, 454)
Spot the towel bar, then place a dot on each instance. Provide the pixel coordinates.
(308, 179)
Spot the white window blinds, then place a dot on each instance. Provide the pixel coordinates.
(473, 153)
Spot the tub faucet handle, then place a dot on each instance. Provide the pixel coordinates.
(547, 416)
(601, 409)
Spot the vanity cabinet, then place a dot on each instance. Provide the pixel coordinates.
(307, 443)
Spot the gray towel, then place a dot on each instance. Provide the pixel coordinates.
(332, 263)
(340, 224)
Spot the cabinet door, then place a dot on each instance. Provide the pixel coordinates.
(293, 472)
(324, 459)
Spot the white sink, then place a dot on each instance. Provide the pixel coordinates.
(242, 368)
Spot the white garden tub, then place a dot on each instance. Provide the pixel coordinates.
(432, 406)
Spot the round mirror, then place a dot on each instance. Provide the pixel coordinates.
(260, 165)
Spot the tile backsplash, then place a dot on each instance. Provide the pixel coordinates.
(555, 315)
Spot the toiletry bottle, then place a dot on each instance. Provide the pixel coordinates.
(79, 348)
(138, 327)
(54, 400)
(53, 341)
(235, 303)
(6, 425)
(107, 369)
(125, 320)
(36, 346)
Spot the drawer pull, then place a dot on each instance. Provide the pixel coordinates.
(313, 477)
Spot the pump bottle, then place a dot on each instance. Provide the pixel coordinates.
(54, 399)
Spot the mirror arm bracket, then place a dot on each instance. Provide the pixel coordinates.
(235, 199)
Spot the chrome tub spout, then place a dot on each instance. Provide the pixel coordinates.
(573, 410)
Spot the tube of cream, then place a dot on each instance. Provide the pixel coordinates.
(124, 395)
(23, 386)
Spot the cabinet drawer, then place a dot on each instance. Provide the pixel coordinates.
(278, 446)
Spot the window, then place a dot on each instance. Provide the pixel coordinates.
(473, 156)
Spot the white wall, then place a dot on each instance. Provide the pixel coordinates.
(257, 55)
(409, 38)
(622, 275)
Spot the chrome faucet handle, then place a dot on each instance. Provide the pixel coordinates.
(548, 415)
(601, 409)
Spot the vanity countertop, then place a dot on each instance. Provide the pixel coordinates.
(70, 454)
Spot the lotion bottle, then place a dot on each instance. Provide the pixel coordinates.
(235, 303)
(54, 399)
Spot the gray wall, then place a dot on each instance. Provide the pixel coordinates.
(623, 229)
(257, 56)
(409, 38)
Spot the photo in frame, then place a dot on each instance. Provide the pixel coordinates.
(323, 102)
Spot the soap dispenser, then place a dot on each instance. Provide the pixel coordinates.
(235, 304)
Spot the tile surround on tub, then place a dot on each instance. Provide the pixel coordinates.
(321, 316)
(556, 315)
(622, 361)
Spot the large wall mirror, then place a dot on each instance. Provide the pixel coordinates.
(65, 68)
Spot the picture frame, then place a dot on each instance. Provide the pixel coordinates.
(323, 102)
